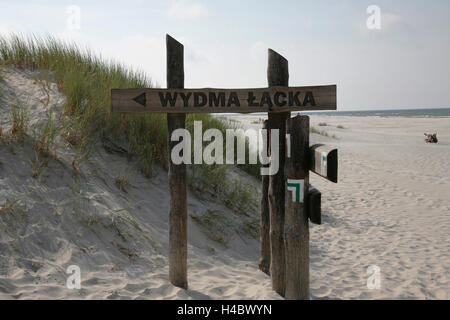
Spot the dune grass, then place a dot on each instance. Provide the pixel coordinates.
(322, 133)
(19, 119)
(86, 81)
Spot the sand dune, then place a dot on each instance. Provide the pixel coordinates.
(391, 208)
(118, 239)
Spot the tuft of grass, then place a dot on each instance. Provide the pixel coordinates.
(37, 165)
(19, 118)
(214, 225)
(81, 156)
(45, 136)
(130, 253)
(122, 182)
(72, 138)
(1, 79)
(212, 179)
(9, 206)
(340, 127)
(251, 228)
(322, 133)
(207, 178)
(44, 146)
(45, 84)
(323, 124)
(240, 197)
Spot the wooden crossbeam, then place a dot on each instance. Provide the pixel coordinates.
(208, 100)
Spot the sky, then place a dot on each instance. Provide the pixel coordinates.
(405, 63)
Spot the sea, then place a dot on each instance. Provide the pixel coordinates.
(408, 113)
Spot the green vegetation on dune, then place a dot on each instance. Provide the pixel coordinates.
(86, 81)
(322, 133)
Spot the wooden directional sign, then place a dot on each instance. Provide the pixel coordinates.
(273, 99)
(324, 161)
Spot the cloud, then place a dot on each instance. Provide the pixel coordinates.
(187, 10)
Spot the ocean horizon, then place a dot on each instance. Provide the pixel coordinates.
(407, 113)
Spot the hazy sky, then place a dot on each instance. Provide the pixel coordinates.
(405, 64)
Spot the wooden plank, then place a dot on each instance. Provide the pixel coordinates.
(209, 100)
(264, 259)
(324, 161)
(296, 230)
(177, 175)
(313, 205)
(277, 74)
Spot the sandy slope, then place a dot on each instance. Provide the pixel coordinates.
(391, 208)
(118, 239)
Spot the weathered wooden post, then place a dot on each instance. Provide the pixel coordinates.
(264, 260)
(278, 102)
(177, 174)
(277, 75)
(296, 230)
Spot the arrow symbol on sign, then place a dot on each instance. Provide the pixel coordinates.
(141, 99)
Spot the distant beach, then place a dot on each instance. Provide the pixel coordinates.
(390, 208)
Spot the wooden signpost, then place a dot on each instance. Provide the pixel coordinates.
(287, 201)
(296, 229)
(277, 75)
(273, 99)
(264, 259)
(177, 174)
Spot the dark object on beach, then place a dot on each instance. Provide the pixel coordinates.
(431, 138)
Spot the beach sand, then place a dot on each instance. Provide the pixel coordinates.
(391, 208)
